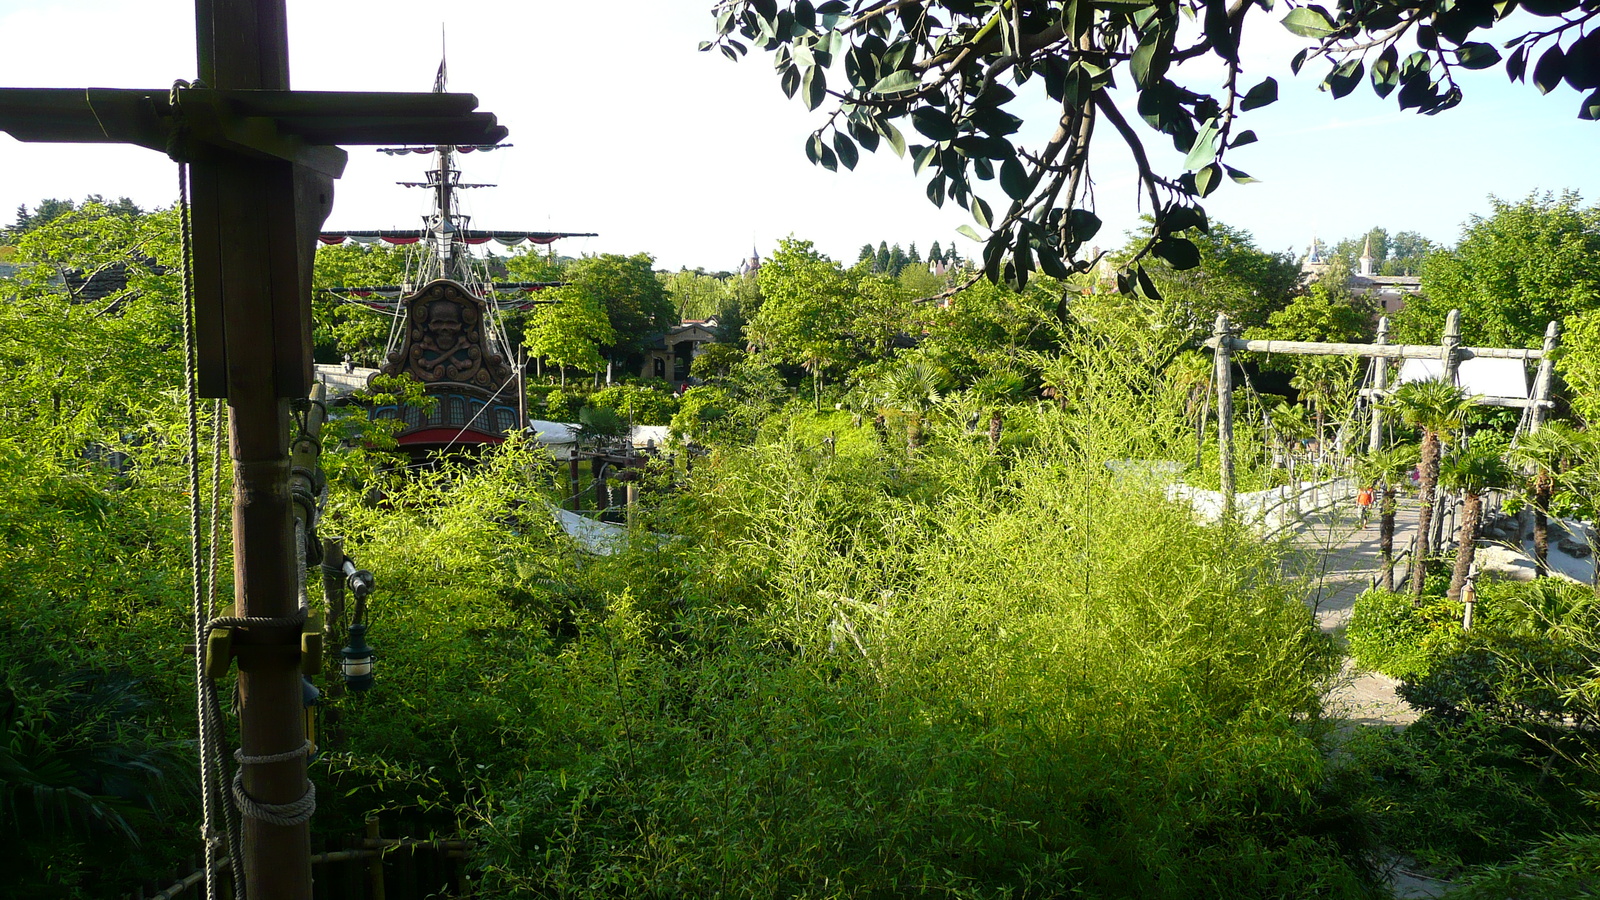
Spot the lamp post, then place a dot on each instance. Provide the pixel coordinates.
(355, 660)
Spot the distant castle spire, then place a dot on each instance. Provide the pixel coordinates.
(1366, 257)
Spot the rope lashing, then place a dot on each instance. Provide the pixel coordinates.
(295, 812)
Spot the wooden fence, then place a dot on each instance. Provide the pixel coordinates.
(366, 867)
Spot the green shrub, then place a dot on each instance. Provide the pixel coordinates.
(651, 404)
(1465, 793)
(559, 406)
(1388, 634)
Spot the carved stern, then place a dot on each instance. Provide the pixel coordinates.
(448, 349)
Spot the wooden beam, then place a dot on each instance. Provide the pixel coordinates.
(1387, 351)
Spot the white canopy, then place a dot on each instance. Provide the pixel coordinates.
(1477, 376)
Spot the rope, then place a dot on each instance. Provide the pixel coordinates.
(201, 577)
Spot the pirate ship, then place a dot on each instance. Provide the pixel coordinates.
(446, 330)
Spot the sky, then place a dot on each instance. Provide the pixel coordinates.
(621, 127)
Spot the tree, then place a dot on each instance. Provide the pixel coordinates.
(1233, 277)
(946, 69)
(897, 260)
(636, 305)
(1579, 364)
(1525, 265)
(935, 254)
(805, 311)
(1440, 410)
(1545, 453)
(880, 262)
(344, 327)
(1386, 471)
(1407, 251)
(1471, 472)
(572, 331)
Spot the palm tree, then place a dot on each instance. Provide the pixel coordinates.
(1543, 452)
(1472, 472)
(1191, 372)
(912, 392)
(1385, 471)
(1440, 410)
(994, 391)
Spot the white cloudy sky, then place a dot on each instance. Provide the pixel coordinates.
(620, 127)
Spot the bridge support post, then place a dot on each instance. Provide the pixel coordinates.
(1380, 381)
(1224, 372)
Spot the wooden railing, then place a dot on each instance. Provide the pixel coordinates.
(370, 867)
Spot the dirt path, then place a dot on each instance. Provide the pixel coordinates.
(1339, 557)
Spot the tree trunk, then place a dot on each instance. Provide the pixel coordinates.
(1429, 477)
(996, 424)
(1466, 541)
(1541, 525)
(1386, 536)
(913, 434)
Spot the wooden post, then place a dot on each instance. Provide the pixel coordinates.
(602, 494)
(1380, 381)
(575, 481)
(246, 225)
(633, 499)
(1224, 369)
(1541, 381)
(374, 865)
(333, 588)
(522, 387)
(1449, 346)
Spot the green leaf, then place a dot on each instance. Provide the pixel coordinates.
(981, 212)
(1590, 110)
(864, 135)
(1180, 218)
(1344, 77)
(1220, 31)
(1150, 59)
(1262, 94)
(1206, 180)
(1147, 285)
(814, 148)
(897, 141)
(789, 80)
(829, 160)
(1013, 179)
(1309, 21)
(933, 122)
(1239, 176)
(846, 149)
(815, 85)
(1085, 225)
(1180, 253)
(968, 231)
(924, 156)
(1242, 138)
(1386, 72)
(897, 81)
(1204, 149)
(1477, 55)
(1547, 74)
(936, 189)
(1517, 65)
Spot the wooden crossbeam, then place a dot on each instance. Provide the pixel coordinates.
(1387, 351)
